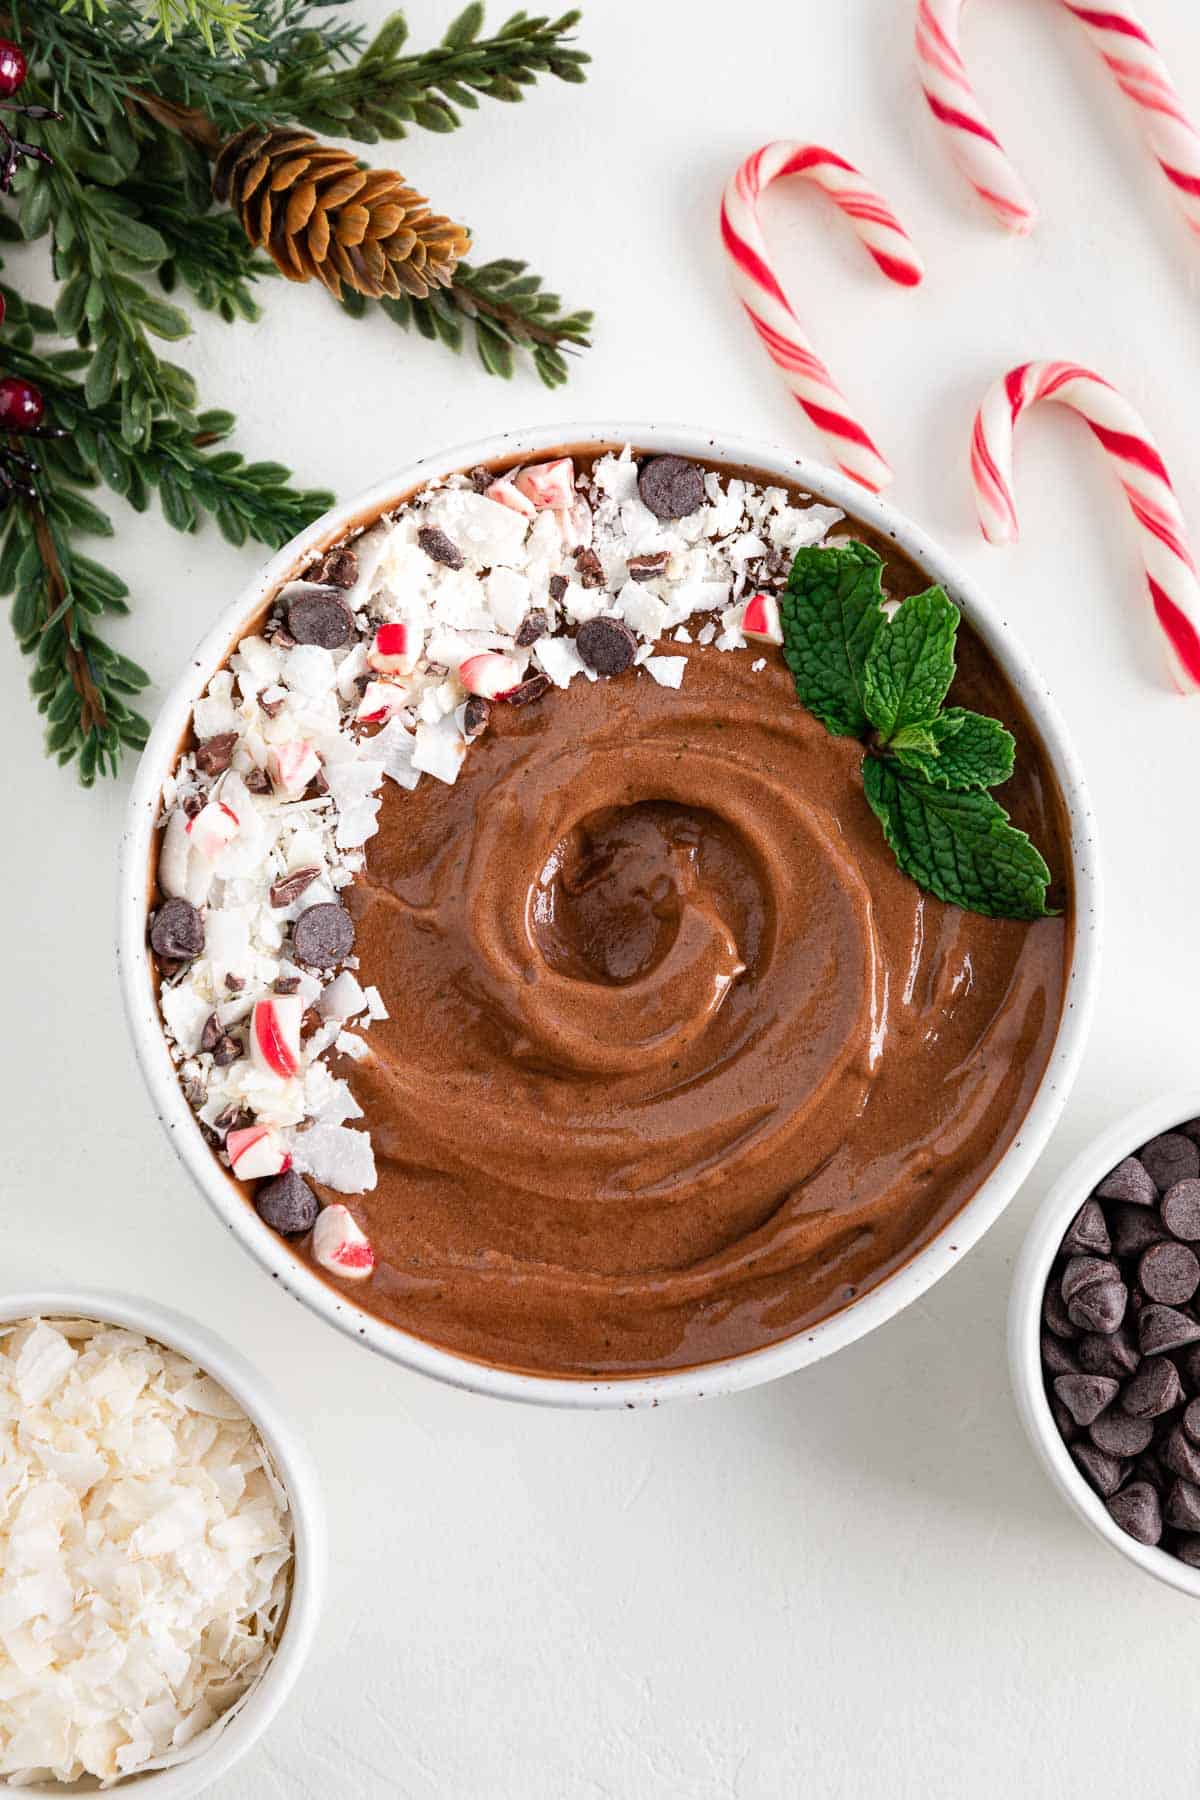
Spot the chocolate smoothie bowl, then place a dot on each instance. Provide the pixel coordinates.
(548, 976)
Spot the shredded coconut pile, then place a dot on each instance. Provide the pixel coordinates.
(145, 1552)
(473, 592)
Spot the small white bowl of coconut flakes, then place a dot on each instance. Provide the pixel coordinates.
(162, 1548)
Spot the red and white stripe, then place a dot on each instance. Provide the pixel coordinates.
(1131, 57)
(1170, 569)
(768, 308)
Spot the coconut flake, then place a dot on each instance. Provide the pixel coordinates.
(336, 1157)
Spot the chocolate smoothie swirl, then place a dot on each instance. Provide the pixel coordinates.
(678, 1061)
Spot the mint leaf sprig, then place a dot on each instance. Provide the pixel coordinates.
(927, 767)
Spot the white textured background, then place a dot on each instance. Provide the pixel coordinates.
(854, 1582)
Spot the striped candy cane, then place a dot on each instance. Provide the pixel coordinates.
(1130, 55)
(1170, 570)
(767, 306)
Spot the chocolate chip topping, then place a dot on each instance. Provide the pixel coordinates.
(1086, 1396)
(177, 931)
(477, 714)
(533, 626)
(214, 755)
(1129, 1182)
(1163, 1328)
(589, 569)
(1104, 1472)
(212, 1034)
(1087, 1234)
(258, 781)
(606, 645)
(1154, 1390)
(287, 1204)
(1181, 1210)
(290, 887)
(645, 568)
(1136, 1510)
(323, 935)
(1118, 1434)
(1170, 1273)
(439, 548)
(558, 586)
(1100, 1353)
(319, 615)
(1170, 1158)
(533, 689)
(671, 487)
(227, 1051)
(287, 984)
(337, 568)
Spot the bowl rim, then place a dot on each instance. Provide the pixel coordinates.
(1037, 1254)
(906, 1284)
(296, 1470)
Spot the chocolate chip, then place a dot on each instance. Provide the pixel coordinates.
(1084, 1271)
(323, 935)
(319, 615)
(1181, 1209)
(1170, 1273)
(193, 805)
(1087, 1234)
(1134, 1228)
(1085, 1396)
(534, 625)
(1137, 1511)
(589, 569)
(1191, 1128)
(290, 887)
(1100, 1307)
(1120, 1435)
(481, 479)
(288, 984)
(1169, 1158)
(1104, 1472)
(1162, 1328)
(337, 568)
(477, 715)
(1191, 1420)
(177, 931)
(1188, 1364)
(272, 708)
(1180, 1455)
(1183, 1506)
(1116, 1354)
(214, 755)
(671, 487)
(233, 1118)
(1057, 1359)
(1054, 1313)
(439, 548)
(645, 568)
(557, 586)
(234, 983)
(606, 645)
(212, 1034)
(1129, 1182)
(287, 1204)
(258, 781)
(1068, 1430)
(1188, 1551)
(1154, 1390)
(227, 1051)
(530, 690)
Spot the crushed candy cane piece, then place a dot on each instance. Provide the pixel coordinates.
(505, 494)
(491, 675)
(256, 1150)
(213, 827)
(295, 764)
(340, 1246)
(381, 699)
(549, 485)
(760, 619)
(275, 1034)
(396, 649)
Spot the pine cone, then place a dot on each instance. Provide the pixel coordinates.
(319, 214)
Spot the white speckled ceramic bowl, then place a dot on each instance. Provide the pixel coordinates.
(339, 1307)
(299, 1477)
(1025, 1314)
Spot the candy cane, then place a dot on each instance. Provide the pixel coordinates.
(1170, 569)
(1130, 55)
(767, 306)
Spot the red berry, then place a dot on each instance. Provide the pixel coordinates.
(21, 404)
(13, 67)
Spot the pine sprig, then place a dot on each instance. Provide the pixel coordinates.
(385, 91)
(505, 309)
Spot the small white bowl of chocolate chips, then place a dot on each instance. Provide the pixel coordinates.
(1104, 1337)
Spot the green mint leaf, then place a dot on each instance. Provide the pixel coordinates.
(924, 740)
(831, 612)
(911, 664)
(959, 846)
(971, 752)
